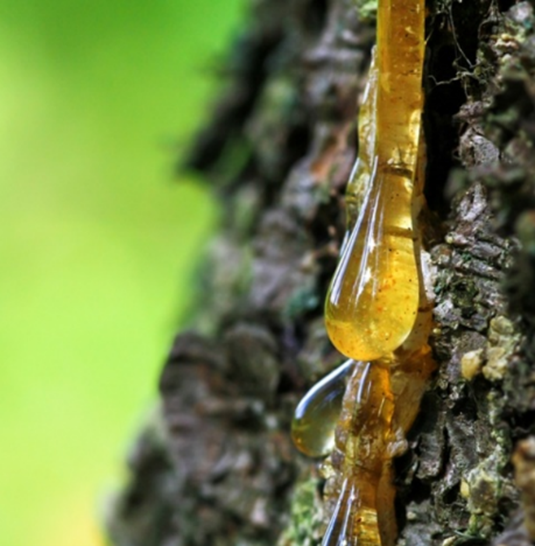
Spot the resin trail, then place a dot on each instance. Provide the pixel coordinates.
(372, 303)
(377, 312)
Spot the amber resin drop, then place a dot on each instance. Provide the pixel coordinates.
(361, 482)
(316, 415)
(373, 299)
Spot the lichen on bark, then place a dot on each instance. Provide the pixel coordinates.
(216, 465)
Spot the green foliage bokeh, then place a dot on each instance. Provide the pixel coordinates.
(98, 242)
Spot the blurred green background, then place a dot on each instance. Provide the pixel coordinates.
(98, 241)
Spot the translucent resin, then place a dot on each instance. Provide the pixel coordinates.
(372, 303)
(378, 408)
(377, 311)
(316, 415)
(360, 461)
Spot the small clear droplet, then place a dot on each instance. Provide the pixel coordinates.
(316, 415)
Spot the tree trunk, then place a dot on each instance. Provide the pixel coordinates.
(216, 465)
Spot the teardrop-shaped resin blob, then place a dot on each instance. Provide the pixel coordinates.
(316, 415)
(373, 299)
(376, 310)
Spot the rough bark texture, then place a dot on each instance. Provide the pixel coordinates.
(216, 465)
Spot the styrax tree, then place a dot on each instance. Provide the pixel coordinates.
(215, 465)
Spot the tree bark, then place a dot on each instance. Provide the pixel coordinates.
(215, 465)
